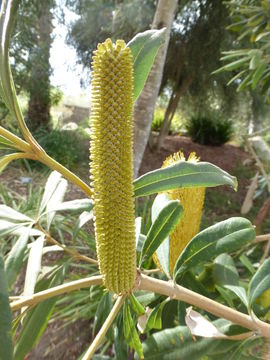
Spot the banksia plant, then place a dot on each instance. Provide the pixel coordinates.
(111, 166)
(192, 200)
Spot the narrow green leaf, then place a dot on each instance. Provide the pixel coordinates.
(103, 310)
(225, 236)
(245, 82)
(144, 47)
(7, 213)
(258, 74)
(154, 320)
(164, 224)
(130, 333)
(5, 143)
(136, 305)
(236, 77)
(82, 220)
(259, 283)
(6, 159)
(73, 205)
(33, 266)
(55, 200)
(7, 227)
(36, 319)
(247, 264)
(6, 345)
(15, 257)
(50, 187)
(233, 65)
(182, 174)
(163, 251)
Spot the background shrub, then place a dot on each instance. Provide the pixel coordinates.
(66, 146)
(207, 130)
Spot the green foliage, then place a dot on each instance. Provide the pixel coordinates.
(65, 146)
(157, 119)
(144, 47)
(250, 65)
(207, 130)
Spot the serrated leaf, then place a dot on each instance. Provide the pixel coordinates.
(259, 283)
(33, 266)
(144, 47)
(15, 257)
(225, 236)
(164, 224)
(182, 174)
(130, 333)
(6, 345)
(82, 220)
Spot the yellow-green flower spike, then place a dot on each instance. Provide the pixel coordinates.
(192, 200)
(112, 164)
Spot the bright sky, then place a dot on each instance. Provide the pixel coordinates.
(66, 73)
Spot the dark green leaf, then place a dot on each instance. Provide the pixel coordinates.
(248, 265)
(144, 47)
(224, 271)
(259, 283)
(164, 224)
(154, 320)
(130, 333)
(182, 174)
(178, 344)
(6, 345)
(15, 257)
(225, 236)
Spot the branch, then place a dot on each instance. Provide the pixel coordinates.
(260, 238)
(105, 327)
(57, 290)
(178, 292)
(74, 253)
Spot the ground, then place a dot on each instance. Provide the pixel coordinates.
(220, 203)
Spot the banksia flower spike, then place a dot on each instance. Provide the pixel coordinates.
(192, 200)
(112, 164)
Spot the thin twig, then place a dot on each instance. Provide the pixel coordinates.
(260, 238)
(151, 271)
(57, 290)
(74, 253)
(265, 252)
(259, 163)
(105, 327)
(178, 292)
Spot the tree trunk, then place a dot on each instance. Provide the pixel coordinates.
(39, 84)
(144, 108)
(170, 111)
